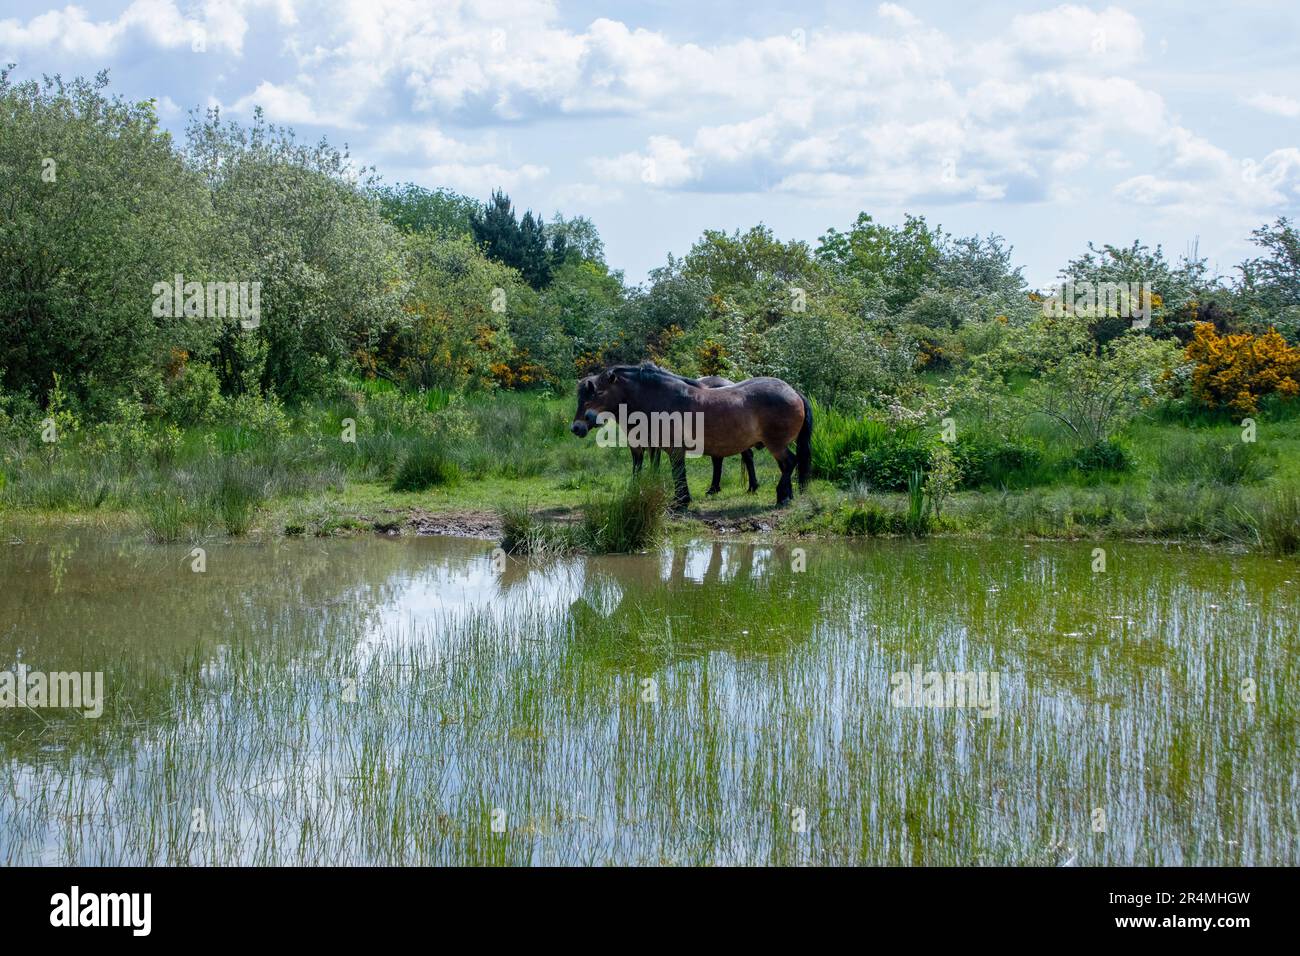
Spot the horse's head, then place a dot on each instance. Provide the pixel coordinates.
(597, 393)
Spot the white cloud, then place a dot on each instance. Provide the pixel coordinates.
(585, 194)
(665, 163)
(1046, 106)
(896, 14)
(284, 104)
(221, 27)
(430, 144)
(1071, 34)
(478, 179)
(1278, 105)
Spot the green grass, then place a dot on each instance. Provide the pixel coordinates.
(1192, 479)
(1223, 459)
(837, 436)
(426, 466)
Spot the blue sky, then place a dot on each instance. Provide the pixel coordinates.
(1048, 124)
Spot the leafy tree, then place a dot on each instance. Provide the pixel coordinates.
(833, 356)
(579, 236)
(732, 263)
(585, 303)
(520, 244)
(98, 207)
(673, 297)
(456, 332)
(1270, 284)
(291, 217)
(893, 263)
(1176, 287)
(1275, 277)
(979, 265)
(413, 208)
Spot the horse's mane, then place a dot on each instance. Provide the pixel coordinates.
(650, 372)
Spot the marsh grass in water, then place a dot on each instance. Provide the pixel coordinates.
(240, 490)
(167, 517)
(1279, 520)
(378, 702)
(628, 521)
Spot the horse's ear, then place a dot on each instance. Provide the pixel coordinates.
(607, 377)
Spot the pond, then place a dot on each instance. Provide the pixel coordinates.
(424, 701)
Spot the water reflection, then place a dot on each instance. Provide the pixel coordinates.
(773, 662)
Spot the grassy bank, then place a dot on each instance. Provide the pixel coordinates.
(373, 459)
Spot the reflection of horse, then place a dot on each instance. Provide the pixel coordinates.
(733, 418)
(746, 456)
(691, 601)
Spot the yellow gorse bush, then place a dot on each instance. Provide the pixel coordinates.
(1236, 370)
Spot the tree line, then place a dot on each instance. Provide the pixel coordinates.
(432, 289)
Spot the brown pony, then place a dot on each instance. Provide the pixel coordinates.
(746, 456)
(729, 420)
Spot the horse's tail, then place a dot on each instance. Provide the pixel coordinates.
(803, 444)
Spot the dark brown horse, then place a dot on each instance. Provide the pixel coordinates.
(718, 422)
(746, 456)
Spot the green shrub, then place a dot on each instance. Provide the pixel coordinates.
(193, 397)
(887, 465)
(992, 463)
(1101, 456)
(426, 466)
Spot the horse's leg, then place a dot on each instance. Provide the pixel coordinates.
(654, 457)
(683, 497)
(638, 457)
(747, 457)
(786, 461)
(717, 477)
